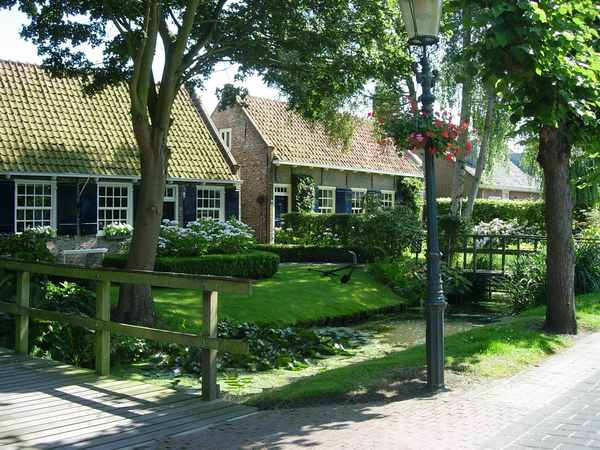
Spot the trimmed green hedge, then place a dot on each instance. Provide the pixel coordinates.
(255, 265)
(312, 253)
(485, 210)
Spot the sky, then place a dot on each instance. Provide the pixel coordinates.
(14, 48)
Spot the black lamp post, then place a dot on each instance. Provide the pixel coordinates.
(422, 22)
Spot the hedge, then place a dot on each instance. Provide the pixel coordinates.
(524, 211)
(314, 254)
(255, 265)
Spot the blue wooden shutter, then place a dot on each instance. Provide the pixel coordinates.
(343, 201)
(88, 209)
(7, 207)
(232, 201)
(66, 208)
(189, 203)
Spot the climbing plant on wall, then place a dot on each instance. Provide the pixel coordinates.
(304, 191)
(410, 192)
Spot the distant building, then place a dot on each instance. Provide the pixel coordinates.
(272, 144)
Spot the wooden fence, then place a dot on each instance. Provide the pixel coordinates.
(491, 253)
(207, 286)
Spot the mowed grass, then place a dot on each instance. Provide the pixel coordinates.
(294, 295)
(489, 351)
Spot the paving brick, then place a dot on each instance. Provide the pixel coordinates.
(538, 408)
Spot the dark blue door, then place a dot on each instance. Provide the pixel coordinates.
(281, 207)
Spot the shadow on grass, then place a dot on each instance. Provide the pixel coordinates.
(490, 351)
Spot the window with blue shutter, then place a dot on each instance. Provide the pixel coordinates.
(189, 203)
(66, 212)
(7, 207)
(232, 201)
(343, 200)
(88, 209)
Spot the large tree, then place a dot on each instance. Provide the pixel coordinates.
(319, 53)
(545, 56)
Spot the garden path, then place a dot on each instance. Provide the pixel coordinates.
(519, 412)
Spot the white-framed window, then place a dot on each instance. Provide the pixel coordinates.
(358, 198)
(225, 134)
(326, 199)
(35, 204)
(115, 204)
(388, 199)
(171, 202)
(210, 202)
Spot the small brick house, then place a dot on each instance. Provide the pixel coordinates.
(70, 160)
(273, 145)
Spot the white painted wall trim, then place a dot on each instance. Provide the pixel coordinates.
(279, 162)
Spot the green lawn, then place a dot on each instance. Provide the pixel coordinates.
(489, 351)
(293, 295)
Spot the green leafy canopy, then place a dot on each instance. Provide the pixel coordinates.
(319, 53)
(544, 56)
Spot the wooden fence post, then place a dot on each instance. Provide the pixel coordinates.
(210, 388)
(22, 319)
(103, 336)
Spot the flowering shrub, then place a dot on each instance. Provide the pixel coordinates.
(118, 230)
(205, 236)
(409, 127)
(498, 227)
(42, 232)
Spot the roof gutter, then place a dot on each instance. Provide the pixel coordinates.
(278, 162)
(115, 177)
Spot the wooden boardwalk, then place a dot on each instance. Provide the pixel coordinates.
(46, 404)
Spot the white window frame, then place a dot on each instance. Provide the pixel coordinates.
(358, 209)
(174, 198)
(52, 208)
(129, 187)
(320, 208)
(388, 192)
(287, 194)
(221, 209)
(225, 135)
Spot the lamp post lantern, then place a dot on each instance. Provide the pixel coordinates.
(422, 22)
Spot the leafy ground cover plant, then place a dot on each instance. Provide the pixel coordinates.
(408, 278)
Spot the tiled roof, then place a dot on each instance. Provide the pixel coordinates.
(297, 141)
(48, 125)
(507, 174)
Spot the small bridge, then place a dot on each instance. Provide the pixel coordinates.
(47, 404)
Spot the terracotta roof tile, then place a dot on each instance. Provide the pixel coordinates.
(49, 125)
(295, 140)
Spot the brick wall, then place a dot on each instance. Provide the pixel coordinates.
(253, 156)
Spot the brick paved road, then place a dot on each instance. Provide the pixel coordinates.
(554, 405)
(573, 422)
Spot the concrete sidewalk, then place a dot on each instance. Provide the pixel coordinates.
(553, 405)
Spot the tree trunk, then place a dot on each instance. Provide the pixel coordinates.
(553, 156)
(483, 150)
(458, 180)
(135, 301)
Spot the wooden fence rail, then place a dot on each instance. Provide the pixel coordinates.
(482, 248)
(208, 287)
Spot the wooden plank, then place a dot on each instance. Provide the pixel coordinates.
(53, 421)
(162, 279)
(128, 432)
(133, 439)
(154, 415)
(174, 337)
(210, 388)
(22, 320)
(60, 390)
(102, 347)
